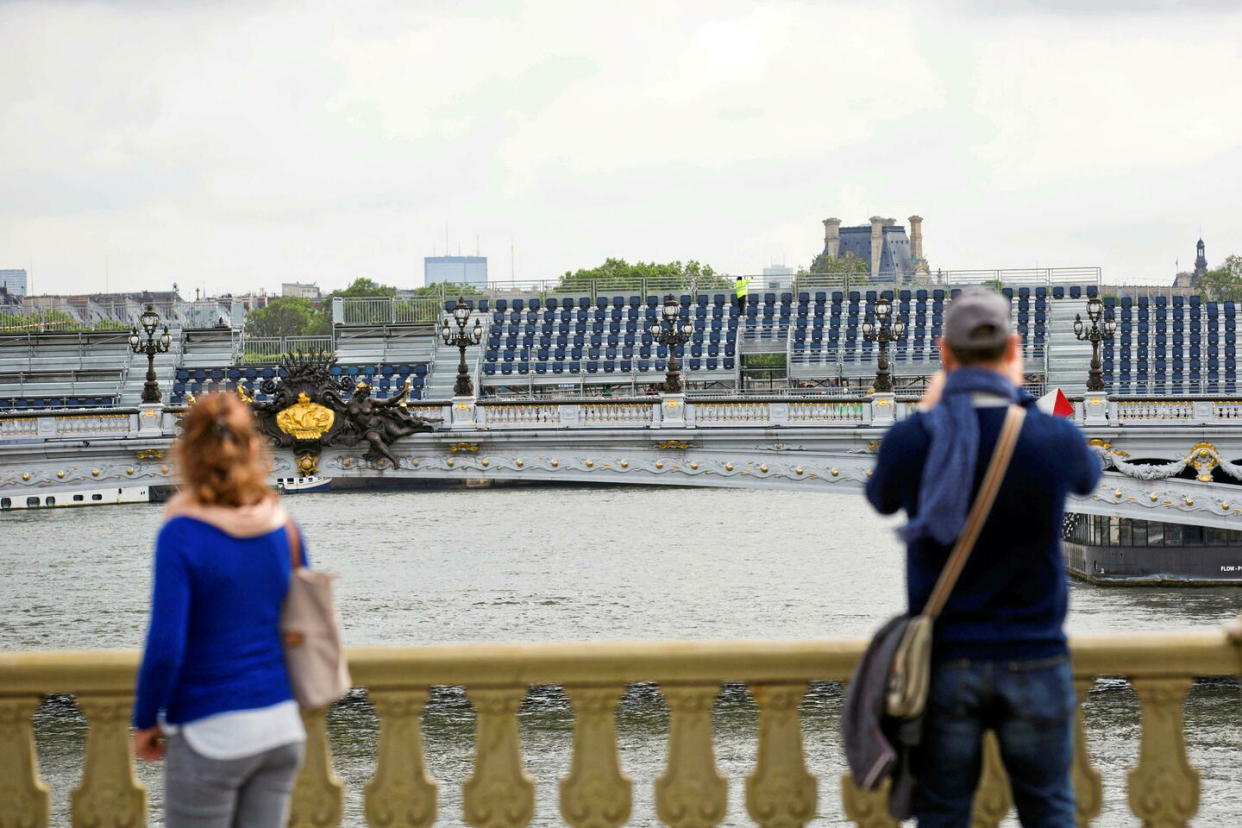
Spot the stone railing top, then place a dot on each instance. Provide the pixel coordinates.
(1203, 652)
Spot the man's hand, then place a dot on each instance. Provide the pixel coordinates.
(935, 385)
(1014, 365)
(147, 744)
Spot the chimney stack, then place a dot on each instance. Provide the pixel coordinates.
(832, 237)
(877, 244)
(916, 237)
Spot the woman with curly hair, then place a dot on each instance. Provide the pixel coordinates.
(213, 695)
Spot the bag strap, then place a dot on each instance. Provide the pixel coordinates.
(295, 544)
(997, 467)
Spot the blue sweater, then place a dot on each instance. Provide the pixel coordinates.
(214, 641)
(1011, 599)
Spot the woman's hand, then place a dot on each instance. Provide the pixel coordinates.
(147, 744)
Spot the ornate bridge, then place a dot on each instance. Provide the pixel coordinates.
(1170, 460)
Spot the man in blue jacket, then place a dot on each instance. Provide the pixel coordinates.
(1000, 659)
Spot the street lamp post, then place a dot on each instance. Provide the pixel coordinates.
(153, 345)
(462, 338)
(883, 331)
(668, 330)
(1095, 333)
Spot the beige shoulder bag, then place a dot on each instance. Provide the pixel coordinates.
(311, 630)
(910, 673)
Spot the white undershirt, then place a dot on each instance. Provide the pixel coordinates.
(240, 733)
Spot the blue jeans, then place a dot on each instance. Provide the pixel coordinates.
(1030, 705)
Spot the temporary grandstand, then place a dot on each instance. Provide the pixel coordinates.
(590, 342)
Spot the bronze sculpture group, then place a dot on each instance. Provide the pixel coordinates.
(308, 411)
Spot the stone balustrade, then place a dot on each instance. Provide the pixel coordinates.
(646, 412)
(1163, 787)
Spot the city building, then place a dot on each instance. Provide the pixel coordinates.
(778, 277)
(301, 291)
(13, 281)
(889, 254)
(461, 270)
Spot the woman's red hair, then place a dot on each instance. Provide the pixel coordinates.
(223, 461)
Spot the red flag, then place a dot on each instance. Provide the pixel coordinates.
(1055, 403)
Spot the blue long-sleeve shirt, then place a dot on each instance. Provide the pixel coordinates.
(1011, 599)
(214, 642)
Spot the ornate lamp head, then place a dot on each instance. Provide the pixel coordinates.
(868, 328)
(1110, 325)
(882, 308)
(899, 327)
(476, 334)
(446, 334)
(1077, 324)
(134, 340)
(149, 319)
(165, 339)
(654, 330)
(687, 329)
(671, 309)
(1094, 308)
(461, 313)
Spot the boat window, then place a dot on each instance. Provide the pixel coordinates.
(6, 503)
(1173, 534)
(96, 496)
(51, 501)
(78, 498)
(32, 501)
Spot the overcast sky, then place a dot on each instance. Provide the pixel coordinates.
(236, 145)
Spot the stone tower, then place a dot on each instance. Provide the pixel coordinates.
(1200, 260)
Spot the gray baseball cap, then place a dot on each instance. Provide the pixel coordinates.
(977, 318)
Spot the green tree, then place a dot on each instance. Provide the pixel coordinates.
(618, 274)
(287, 316)
(847, 265)
(362, 286)
(1224, 284)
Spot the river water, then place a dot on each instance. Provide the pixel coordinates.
(555, 564)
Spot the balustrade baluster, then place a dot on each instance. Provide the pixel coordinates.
(401, 794)
(318, 798)
(1088, 790)
(596, 794)
(993, 798)
(500, 794)
(109, 793)
(1163, 788)
(691, 793)
(24, 799)
(866, 809)
(780, 793)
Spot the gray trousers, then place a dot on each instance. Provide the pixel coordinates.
(251, 792)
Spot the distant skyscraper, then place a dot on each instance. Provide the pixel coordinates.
(462, 270)
(14, 281)
(778, 276)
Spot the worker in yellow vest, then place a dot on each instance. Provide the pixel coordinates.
(739, 290)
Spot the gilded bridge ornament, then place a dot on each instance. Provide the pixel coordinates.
(1202, 457)
(309, 410)
(308, 465)
(305, 420)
